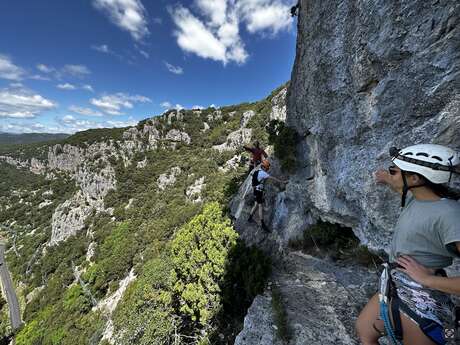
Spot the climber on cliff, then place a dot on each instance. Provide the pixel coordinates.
(259, 177)
(258, 154)
(295, 9)
(414, 303)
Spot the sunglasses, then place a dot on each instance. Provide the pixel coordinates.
(393, 170)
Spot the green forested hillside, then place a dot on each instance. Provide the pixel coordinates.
(194, 278)
(28, 138)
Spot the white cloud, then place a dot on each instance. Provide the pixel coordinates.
(114, 104)
(79, 71)
(38, 77)
(84, 111)
(66, 86)
(76, 70)
(71, 124)
(45, 69)
(88, 87)
(129, 15)
(8, 70)
(265, 15)
(22, 103)
(28, 127)
(174, 69)
(199, 107)
(214, 31)
(103, 48)
(144, 53)
(194, 37)
(169, 105)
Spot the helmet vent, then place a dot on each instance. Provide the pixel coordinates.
(408, 154)
(438, 158)
(423, 154)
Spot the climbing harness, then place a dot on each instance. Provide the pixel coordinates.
(391, 303)
(452, 332)
(384, 299)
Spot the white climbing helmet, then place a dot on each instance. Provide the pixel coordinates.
(434, 162)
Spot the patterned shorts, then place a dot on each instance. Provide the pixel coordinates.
(427, 303)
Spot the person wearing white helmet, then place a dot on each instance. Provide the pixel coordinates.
(414, 305)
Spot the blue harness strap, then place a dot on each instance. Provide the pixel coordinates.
(431, 329)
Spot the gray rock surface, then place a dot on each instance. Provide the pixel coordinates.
(193, 192)
(247, 116)
(178, 136)
(321, 301)
(167, 179)
(259, 324)
(279, 106)
(235, 140)
(369, 75)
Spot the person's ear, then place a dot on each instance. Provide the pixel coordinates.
(416, 179)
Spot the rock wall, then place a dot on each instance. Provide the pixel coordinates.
(369, 75)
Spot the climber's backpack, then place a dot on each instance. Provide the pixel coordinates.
(255, 181)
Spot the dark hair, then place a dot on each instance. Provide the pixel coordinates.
(440, 190)
(443, 191)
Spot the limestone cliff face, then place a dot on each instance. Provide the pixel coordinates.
(89, 166)
(369, 75)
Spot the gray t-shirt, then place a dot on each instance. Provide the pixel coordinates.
(426, 231)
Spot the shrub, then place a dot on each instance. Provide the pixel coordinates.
(199, 252)
(247, 272)
(145, 313)
(284, 140)
(337, 242)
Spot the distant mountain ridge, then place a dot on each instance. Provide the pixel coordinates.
(29, 138)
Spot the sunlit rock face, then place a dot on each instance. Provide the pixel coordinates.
(368, 76)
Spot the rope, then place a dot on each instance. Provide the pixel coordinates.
(384, 314)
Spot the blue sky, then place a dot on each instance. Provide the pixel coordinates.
(67, 66)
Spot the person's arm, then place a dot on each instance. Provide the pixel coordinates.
(264, 154)
(425, 276)
(276, 179)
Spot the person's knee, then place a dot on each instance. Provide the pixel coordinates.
(368, 332)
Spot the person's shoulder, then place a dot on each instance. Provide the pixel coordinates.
(450, 205)
(448, 210)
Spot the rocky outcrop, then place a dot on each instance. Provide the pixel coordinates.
(279, 106)
(193, 192)
(319, 298)
(69, 217)
(178, 136)
(231, 164)
(108, 306)
(246, 117)
(168, 179)
(235, 140)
